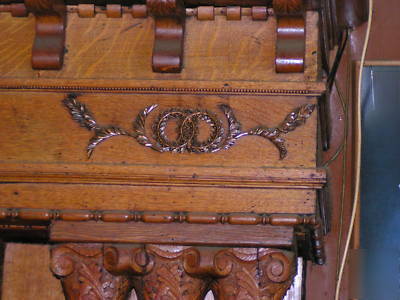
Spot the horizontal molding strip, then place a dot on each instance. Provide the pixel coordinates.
(9, 215)
(274, 178)
(166, 87)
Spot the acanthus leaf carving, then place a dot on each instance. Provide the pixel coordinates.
(80, 268)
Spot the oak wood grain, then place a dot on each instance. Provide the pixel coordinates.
(38, 129)
(120, 49)
(165, 198)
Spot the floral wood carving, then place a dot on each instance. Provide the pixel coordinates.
(187, 128)
(80, 268)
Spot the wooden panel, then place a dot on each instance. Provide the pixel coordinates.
(176, 234)
(27, 274)
(115, 49)
(164, 198)
(37, 128)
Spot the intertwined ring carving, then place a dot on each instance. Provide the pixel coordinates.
(188, 130)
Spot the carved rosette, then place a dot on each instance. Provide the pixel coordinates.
(83, 276)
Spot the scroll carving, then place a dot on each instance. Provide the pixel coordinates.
(182, 272)
(290, 35)
(48, 46)
(80, 268)
(169, 28)
(187, 129)
(256, 274)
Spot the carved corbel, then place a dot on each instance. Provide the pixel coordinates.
(169, 28)
(290, 35)
(257, 273)
(83, 276)
(48, 46)
(186, 272)
(168, 278)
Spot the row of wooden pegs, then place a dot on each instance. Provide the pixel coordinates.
(202, 13)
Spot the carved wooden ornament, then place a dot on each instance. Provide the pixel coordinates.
(290, 36)
(48, 46)
(92, 271)
(187, 130)
(169, 27)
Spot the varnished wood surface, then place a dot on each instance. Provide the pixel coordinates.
(165, 198)
(38, 129)
(41, 139)
(43, 144)
(115, 50)
(175, 234)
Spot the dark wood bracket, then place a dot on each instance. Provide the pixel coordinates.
(290, 36)
(169, 19)
(48, 46)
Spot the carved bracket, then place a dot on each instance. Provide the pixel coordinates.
(48, 46)
(290, 36)
(169, 27)
(80, 268)
(256, 273)
(181, 272)
(188, 120)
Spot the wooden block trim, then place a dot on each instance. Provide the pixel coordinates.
(173, 234)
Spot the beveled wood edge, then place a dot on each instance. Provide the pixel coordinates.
(166, 87)
(189, 176)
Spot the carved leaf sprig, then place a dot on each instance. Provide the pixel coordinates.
(235, 131)
(293, 120)
(103, 134)
(80, 113)
(296, 118)
(139, 127)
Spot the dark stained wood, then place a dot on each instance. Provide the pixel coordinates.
(184, 234)
(169, 27)
(186, 272)
(290, 45)
(352, 13)
(290, 36)
(48, 46)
